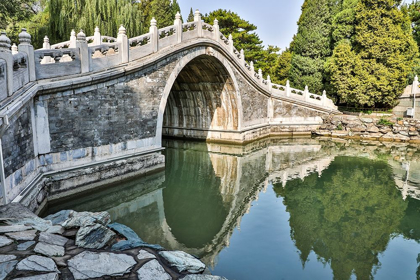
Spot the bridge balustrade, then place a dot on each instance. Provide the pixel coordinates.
(96, 53)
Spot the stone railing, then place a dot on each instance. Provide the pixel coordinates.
(82, 54)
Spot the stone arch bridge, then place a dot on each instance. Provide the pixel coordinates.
(93, 109)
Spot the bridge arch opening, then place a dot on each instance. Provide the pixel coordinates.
(203, 101)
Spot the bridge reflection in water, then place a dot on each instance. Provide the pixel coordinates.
(346, 201)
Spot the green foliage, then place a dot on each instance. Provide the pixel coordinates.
(343, 21)
(384, 122)
(347, 216)
(282, 68)
(162, 12)
(190, 16)
(370, 68)
(312, 44)
(339, 126)
(13, 11)
(175, 9)
(146, 9)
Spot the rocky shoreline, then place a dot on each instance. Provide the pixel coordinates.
(370, 128)
(83, 245)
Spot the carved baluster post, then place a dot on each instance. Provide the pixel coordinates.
(6, 54)
(26, 47)
(122, 39)
(97, 39)
(288, 90)
(306, 93)
(14, 49)
(197, 19)
(251, 66)
(242, 57)
(46, 46)
(260, 75)
(414, 91)
(82, 45)
(230, 39)
(269, 84)
(216, 30)
(324, 98)
(73, 39)
(178, 27)
(154, 35)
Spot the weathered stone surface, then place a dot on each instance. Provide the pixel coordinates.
(53, 239)
(153, 270)
(143, 254)
(92, 265)
(183, 262)
(48, 276)
(14, 228)
(6, 268)
(130, 244)
(203, 277)
(96, 236)
(37, 263)
(15, 211)
(27, 235)
(373, 129)
(4, 241)
(6, 258)
(366, 120)
(55, 229)
(124, 231)
(59, 217)
(25, 246)
(35, 222)
(77, 219)
(49, 250)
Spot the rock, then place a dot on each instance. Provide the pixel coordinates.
(4, 241)
(373, 129)
(95, 236)
(53, 239)
(55, 229)
(14, 228)
(6, 258)
(131, 244)
(61, 261)
(35, 222)
(59, 217)
(404, 133)
(183, 262)
(339, 133)
(203, 277)
(358, 128)
(143, 255)
(6, 268)
(25, 246)
(49, 250)
(27, 235)
(413, 133)
(88, 265)
(336, 120)
(87, 219)
(366, 120)
(15, 211)
(153, 270)
(322, 133)
(37, 263)
(48, 276)
(124, 231)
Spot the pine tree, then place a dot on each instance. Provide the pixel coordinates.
(282, 68)
(146, 9)
(190, 16)
(161, 10)
(312, 45)
(370, 69)
(175, 9)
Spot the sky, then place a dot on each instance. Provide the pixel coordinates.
(276, 19)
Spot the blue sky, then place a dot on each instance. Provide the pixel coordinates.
(276, 19)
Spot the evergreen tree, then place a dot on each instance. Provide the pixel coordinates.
(312, 45)
(190, 16)
(175, 9)
(282, 68)
(243, 34)
(161, 10)
(371, 68)
(146, 9)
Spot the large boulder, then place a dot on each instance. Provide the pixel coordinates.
(183, 262)
(81, 219)
(153, 270)
(94, 236)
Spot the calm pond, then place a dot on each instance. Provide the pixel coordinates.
(279, 208)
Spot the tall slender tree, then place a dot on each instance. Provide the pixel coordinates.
(161, 10)
(175, 9)
(190, 15)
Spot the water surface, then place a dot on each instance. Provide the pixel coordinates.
(279, 209)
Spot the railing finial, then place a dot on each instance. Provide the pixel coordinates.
(122, 30)
(4, 42)
(197, 15)
(153, 22)
(81, 36)
(14, 49)
(24, 37)
(178, 16)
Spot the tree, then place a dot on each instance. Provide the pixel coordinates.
(146, 9)
(282, 68)
(370, 68)
(175, 9)
(190, 16)
(243, 34)
(12, 11)
(312, 45)
(161, 10)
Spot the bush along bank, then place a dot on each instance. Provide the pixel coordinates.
(370, 128)
(84, 245)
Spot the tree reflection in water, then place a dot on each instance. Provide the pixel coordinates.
(347, 216)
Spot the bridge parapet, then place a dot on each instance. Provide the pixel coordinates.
(96, 53)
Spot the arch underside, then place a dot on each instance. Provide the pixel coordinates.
(203, 98)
